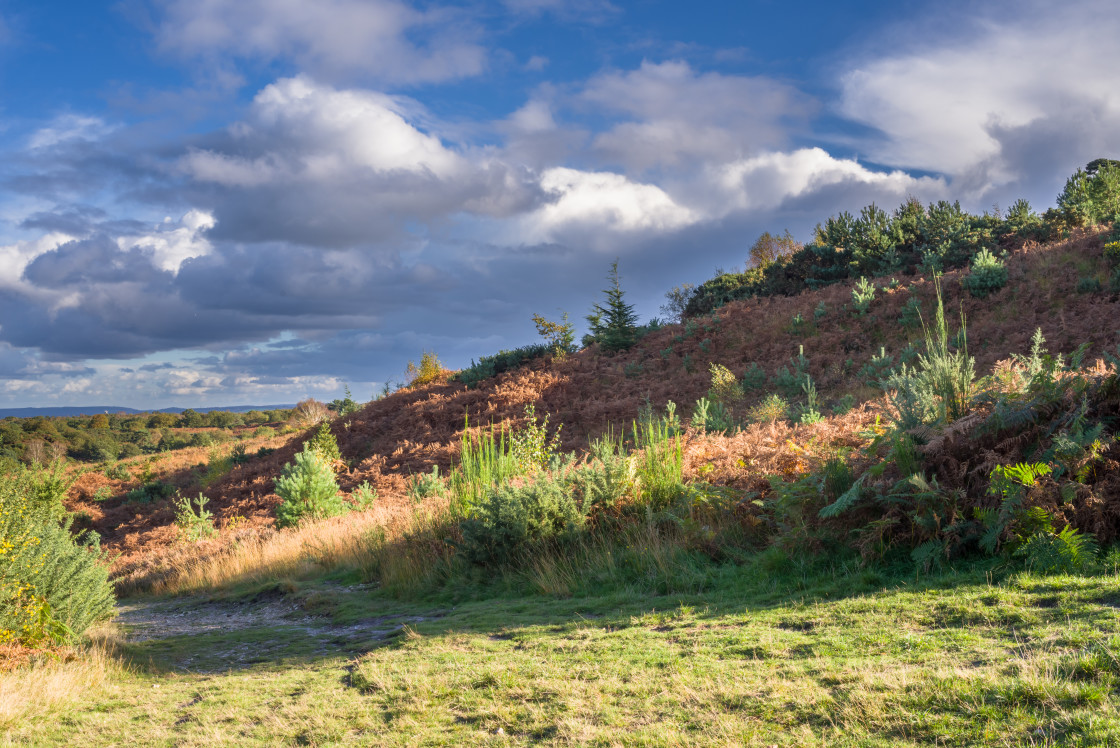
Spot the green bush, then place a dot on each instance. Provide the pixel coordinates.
(512, 520)
(52, 584)
(940, 387)
(193, 519)
(426, 485)
(712, 416)
(987, 276)
(502, 361)
(862, 295)
(773, 408)
(1088, 284)
(308, 490)
(324, 444)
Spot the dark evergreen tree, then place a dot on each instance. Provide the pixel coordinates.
(613, 324)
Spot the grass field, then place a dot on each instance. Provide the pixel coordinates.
(768, 654)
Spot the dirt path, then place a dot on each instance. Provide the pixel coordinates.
(197, 635)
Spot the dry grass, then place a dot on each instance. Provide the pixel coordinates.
(37, 682)
(350, 541)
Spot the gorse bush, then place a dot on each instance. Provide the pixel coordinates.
(53, 584)
(511, 520)
(308, 490)
(987, 276)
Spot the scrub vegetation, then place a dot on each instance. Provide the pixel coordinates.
(866, 492)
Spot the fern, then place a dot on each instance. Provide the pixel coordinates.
(845, 501)
(1066, 552)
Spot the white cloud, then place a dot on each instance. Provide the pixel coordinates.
(68, 127)
(327, 133)
(677, 116)
(764, 182)
(942, 105)
(603, 200)
(388, 39)
(170, 244)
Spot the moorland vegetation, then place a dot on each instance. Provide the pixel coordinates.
(912, 398)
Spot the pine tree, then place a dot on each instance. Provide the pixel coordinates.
(614, 324)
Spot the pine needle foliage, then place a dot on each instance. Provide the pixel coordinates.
(53, 584)
(308, 490)
(613, 324)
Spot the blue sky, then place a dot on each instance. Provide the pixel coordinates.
(212, 202)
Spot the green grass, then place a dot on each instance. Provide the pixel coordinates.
(772, 653)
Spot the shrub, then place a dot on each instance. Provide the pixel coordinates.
(324, 444)
(344, 406)
(1088, 284)
(676, 301)
(530, 447)
(939, 388)
(607, 477)
(363, 496)
(725, 388)
(307, 489)
(427, 372)
(492, 366)
(195, 522)
(788, 383)
(754, 379)
(1112, 253)
(52, 584)
(711, 416)
(426, 485)
(862, 295)
(773, 408)
(661, 465)
(911, 316)
(809, 413)
(987, 276)
(561, 336)
(1114, 281)
(512, 520)
(307, 413)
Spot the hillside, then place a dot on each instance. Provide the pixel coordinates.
(409, 431)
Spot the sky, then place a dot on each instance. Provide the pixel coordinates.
(219, 202)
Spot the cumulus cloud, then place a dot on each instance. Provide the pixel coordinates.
(675, 115)
(603, 201)
(331, 167)
(965, 104)
(388, 40)
(766, 181)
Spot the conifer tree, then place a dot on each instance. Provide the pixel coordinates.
(613, 324)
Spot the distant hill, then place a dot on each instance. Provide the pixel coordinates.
(89, 410)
